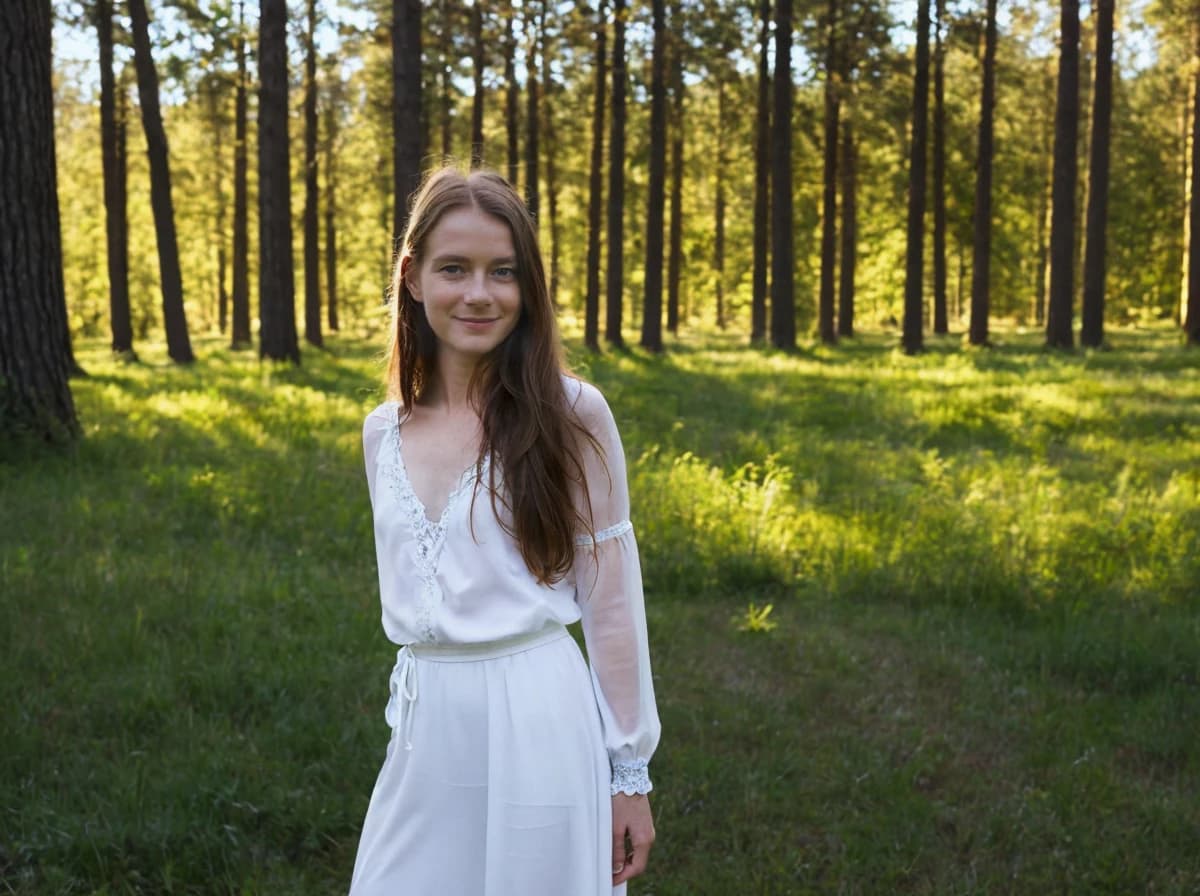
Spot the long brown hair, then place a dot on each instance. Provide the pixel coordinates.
(517, 389)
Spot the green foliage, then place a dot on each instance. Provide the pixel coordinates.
(978, 571)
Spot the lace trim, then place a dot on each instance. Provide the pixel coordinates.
(430, 535)
(614, 531)
(631, 778)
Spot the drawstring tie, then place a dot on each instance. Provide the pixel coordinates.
(403, 695)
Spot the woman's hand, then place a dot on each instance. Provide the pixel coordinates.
(633, 834)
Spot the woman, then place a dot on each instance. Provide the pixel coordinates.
(501, 509)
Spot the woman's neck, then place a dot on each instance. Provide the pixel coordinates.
(451, 388)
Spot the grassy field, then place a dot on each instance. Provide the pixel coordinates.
(980, 672)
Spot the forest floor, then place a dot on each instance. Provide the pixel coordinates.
(980, 672)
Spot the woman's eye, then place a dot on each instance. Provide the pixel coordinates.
(506, 273)
(452, 269)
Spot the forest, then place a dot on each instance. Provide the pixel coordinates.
(896, 304)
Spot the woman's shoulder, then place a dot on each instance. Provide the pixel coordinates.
(382, 416)
(588, 404)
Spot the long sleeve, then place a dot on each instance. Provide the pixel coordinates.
(375, 427)
(608, 581)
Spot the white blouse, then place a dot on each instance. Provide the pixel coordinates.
(462, 580)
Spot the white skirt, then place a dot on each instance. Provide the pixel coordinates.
(496, 781)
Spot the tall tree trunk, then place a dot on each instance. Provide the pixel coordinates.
(762, 186)
(532, 114)
(675, 237)
(35, 360)
(240, 330)
(276, 279)
(1091, 331)
(719, 204)
(1191, 322)
(940, 323)
(477, 96)
(1059, 324)
(445, 47)
(216, 100)
(551, 168)
(179, 346)
(591, 308)
(982, 225)
(656, 200)
(616, 182)
(312, 243)
(113, 154)
(825, 319)
(511, 98)
(849, 179)
(406, 109)
(783, 282)
(913, 338)
(331, 138)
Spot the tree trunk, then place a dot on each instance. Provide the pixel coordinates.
(762, 187)
(675, 238)
(406, 109)
(179, 346)
(849, 178)
(35, 395)
(312, 247)
(240, 297)
(276, 279)
(511, 99)
(1059, 324)
(532, 114)
(656, 200)
(783, 282)
(216, 99)
(616, 182)
(551, 169)
(1191, 323)
(446, 48)
(982, 248)
(591, 312)
(913, 337)
(477, 96)
(1091, 331)
(331, 137)
(112, 140)
(719, 205)
(940, 322)
(825, 319)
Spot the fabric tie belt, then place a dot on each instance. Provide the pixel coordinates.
(402, 684)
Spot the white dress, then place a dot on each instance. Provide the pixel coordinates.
(506, 748)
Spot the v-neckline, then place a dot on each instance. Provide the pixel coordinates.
(465, 478)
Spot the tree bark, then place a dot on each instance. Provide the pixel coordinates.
(783, 282)
(179, 346)
(1191, 323)
(719, 204)
(406, 109)
(551, 168)
(982, 225)
(112, 145)
(331, 137)
(312, 248)
(591, 312)
(215, 99)
(276, 281)
(35, 395)
(913, 336)
(1091, 331)
(656, 200)
(1059, 324)
(511, 98)
(675, 236)
(616, 182)
(240, 297)
(532, 114)
(762, 184)
(477, 96)
(940, 322)
(826, 325)
(849, 179)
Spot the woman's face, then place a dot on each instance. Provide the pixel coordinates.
(467, 282)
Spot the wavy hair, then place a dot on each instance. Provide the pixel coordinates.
(517, 389)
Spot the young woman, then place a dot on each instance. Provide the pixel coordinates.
(501, 513)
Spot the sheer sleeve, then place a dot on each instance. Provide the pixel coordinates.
(608, 580)
(375, 428)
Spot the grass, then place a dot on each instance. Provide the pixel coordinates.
(981, 672)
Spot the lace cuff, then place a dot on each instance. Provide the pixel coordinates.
(631, 778)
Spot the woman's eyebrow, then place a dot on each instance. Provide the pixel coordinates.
(460, 259)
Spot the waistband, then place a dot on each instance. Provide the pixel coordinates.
(487, 650)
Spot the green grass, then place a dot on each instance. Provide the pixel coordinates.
(984, 569)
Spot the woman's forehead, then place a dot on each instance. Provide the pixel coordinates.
(468, 230)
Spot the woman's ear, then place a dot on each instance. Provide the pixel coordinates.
(408, 277)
